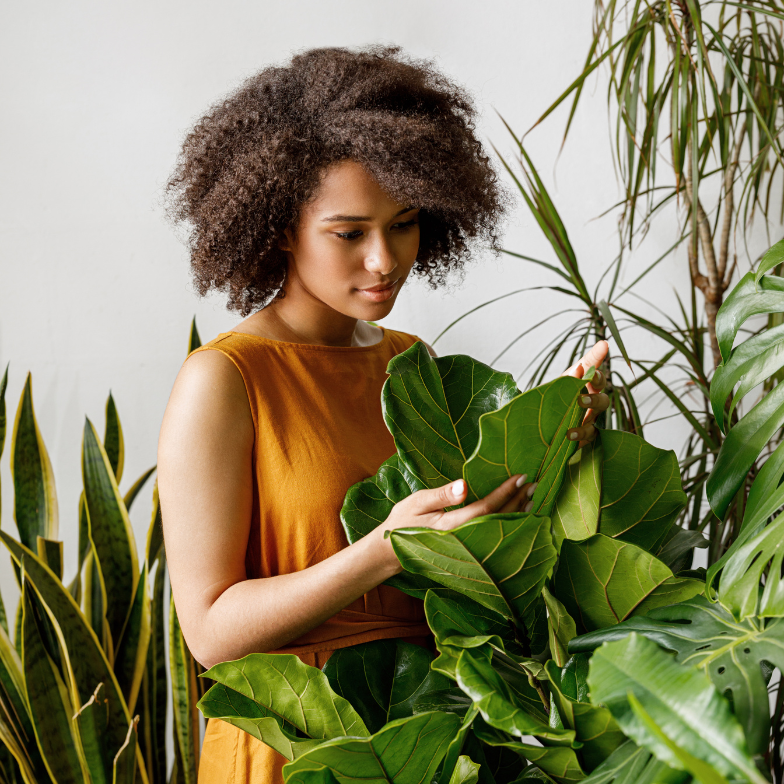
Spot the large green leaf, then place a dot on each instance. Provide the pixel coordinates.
(527, 436)
(603, 581)
(455, 748)
(561, 628)
(748, 298)
(750, 363)
(35, 497)
(499, 560)
(280, 701)
(765, 498)
(110, 532)
(368, 504)
(772, 257)
(622, 487)
(593, 725)
(560, 763)
(48, 698)
(182, 669)
(630, 764)
(384, 679)
(458, 622)
(682, 701)
(576, 511)
(734, 654)
(432, 408)
(641, 490)
(739, 585)
(405, 751)
(499, 704)
(87, 661)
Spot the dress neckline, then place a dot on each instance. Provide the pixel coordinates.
(312, 346)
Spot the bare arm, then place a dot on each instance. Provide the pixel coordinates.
(206, 485)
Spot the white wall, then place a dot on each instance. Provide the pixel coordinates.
(94, 290)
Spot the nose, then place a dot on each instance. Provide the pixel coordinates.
(381, 257)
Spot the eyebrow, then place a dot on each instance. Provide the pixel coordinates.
(358, 218)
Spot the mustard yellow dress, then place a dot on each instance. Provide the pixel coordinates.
(319, 429)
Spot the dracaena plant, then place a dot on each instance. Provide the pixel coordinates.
(83, 666)
(694, 91)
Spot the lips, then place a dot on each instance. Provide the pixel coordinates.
(380, 293)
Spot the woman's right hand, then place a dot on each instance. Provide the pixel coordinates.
(425, 508)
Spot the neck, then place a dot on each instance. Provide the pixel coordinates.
(299, 317)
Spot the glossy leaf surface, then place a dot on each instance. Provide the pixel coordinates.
(500, 561)
(682, 702)
(384, 679)
(182, 669)
(576, 511)
(593, 725)
(432, 408)
(405, 751)
(527, 436)
(131, 657)
(279, 700)
(630, 764)
(498, 704)
(561, 628)
(704, 635)
(603, 581)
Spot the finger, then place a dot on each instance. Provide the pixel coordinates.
(596, 355)
(596, 402)
(575, 370)
(487, 505)
(597, 383)
(583, 434)
(426, 501)
(520, 499)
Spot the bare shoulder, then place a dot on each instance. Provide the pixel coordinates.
(208, 393)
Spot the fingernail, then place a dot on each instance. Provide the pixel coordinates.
(531, 490)
(528, 507)
(586, 400)
(521, 481)
(574, 435)
(458, 488)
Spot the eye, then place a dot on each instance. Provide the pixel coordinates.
(406, 224)
(348, 235)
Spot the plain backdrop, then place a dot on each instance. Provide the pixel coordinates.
(95, 293)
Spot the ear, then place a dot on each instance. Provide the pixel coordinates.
(286, 242)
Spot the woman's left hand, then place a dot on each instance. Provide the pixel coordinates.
(595, 401)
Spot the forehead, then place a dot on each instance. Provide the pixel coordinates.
(347, 187)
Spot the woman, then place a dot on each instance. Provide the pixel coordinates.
(310, 194)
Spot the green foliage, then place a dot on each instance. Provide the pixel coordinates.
(87, 656)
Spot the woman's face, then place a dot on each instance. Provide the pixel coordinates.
(354, 245)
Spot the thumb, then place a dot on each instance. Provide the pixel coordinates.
(436, 499)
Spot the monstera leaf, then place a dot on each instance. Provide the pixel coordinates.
(735, 655)
(281, 701)
(500, 561)
(405, 751)
(682, 704)
(622, 487)
(384, 679)
(603, 581)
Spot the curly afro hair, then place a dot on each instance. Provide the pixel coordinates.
(251, 163)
